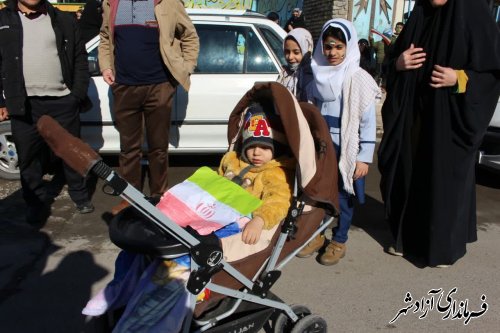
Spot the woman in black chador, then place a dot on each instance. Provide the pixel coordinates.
(443, 84)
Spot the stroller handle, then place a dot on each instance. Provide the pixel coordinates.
(76, 153)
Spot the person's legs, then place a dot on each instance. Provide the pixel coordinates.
(378, 74)
(65, 111)
(157, 111)
(346, 213)
(336, 249)
(127, 108)
(31, 149)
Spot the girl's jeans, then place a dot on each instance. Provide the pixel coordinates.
(346, 203)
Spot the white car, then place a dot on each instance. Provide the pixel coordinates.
(237, 49)
(489, 153)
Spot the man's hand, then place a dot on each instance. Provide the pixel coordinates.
(412, 58)
(361, 170)
(4, 114)
(253, 229)
(443, 77)
(108, 76)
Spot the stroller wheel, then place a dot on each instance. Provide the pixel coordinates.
(310, 324)
(283, 324)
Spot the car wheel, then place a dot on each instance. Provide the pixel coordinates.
(9, 167)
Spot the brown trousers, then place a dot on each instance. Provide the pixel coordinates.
(136, 108)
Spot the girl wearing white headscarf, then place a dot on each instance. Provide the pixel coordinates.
(345, 95)
(297, 74)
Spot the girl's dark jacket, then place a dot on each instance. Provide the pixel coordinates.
(71, 50)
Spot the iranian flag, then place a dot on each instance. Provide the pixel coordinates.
(207, 202)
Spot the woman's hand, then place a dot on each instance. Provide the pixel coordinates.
(361, 170)
(443, 77)
(252, 231)
(412, 58)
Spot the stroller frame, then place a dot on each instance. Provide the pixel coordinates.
(206, 254)
(202, 268)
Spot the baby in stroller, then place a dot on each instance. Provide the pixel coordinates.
(264, 168)
(245, 279)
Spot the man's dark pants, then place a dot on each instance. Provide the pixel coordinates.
(136, 107)
(33, 151)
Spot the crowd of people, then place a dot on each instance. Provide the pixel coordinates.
(442, 86)
(373, 49)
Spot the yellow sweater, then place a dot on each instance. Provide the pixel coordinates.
(272, 183)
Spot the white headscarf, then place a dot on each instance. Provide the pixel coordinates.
(303, 38)
(329, 79)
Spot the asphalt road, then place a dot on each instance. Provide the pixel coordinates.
(47, 274)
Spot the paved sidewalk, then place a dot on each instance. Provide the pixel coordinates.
(48, 275)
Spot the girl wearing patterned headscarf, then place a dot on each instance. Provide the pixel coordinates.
(296, 75)
(345, 94)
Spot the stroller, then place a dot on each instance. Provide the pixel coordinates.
(240, 300)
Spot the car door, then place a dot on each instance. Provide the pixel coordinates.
(233, 56)
(97, 125)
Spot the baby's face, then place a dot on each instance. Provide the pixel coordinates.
(259, 155)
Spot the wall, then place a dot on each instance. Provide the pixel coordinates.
(319, 11)
(376, 14)
(365, 14)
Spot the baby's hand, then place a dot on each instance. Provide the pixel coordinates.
(252, 231)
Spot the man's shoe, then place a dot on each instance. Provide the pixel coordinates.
(333, 253)
(312, 247)
(121, 206)
(85, 208)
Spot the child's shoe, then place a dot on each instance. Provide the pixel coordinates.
(312, 247)
(333, 253)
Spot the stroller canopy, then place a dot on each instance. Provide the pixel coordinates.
(307, 136)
